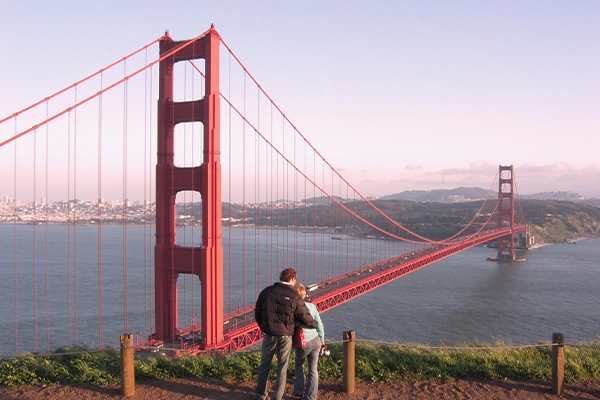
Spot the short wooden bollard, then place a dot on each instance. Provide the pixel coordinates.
(558, 363)
(349, 361)
(127, 372)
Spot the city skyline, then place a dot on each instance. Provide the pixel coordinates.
(409, 96)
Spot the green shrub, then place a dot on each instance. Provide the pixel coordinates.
(374, 362)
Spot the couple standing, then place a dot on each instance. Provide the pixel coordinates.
(278, 308)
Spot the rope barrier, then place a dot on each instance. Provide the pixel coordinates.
(426, 347)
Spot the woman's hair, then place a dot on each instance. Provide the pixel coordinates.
(300, 289)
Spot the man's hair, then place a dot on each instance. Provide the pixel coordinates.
(300, 289)
(287, 275)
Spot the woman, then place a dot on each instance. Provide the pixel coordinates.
(314, 339)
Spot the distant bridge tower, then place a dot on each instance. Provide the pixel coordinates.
(506, 213)
(170, 259)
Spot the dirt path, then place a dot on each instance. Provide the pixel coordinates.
(217, 390)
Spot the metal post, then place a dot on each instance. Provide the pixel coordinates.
(558, 363)
(349, 361)
(127, 371)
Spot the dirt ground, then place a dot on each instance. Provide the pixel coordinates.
(218, 390)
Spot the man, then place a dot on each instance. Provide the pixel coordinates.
(278, 307)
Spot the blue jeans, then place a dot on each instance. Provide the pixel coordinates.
(311, 351)
(282, 345)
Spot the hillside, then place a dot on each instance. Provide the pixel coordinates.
(551, 221)
(554, 221)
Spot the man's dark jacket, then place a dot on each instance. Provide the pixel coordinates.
(278, 307)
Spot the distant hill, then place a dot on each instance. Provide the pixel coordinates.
(475, 193)
(441, 195)
(562, 196)
(551, 221)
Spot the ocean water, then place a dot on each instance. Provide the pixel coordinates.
(53, 296)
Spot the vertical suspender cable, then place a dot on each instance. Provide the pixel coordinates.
(47, 245)
(35, 319)
(150, 323)
(193, 281)
(75, 215)
(305, 222)
(150, 237)
(174, 276)
(125, 201)
(16, 281)
(244, 194)
(295, 196)
(145, 199)
(100, 341)
(314, 206)
(145, 155)
(333, 224)
(229, 261)
(325, 260)
(354, 230)
(279, 211)
(295, 223)
(269, 199)
(69, 225)
(345, 219)
(285, 188)
(257, 207)
(150, 320)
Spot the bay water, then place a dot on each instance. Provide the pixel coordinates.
(51, 297)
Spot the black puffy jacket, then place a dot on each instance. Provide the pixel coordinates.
(278, 307)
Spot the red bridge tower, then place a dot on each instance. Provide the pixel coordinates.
(171, 259)
(506, 213)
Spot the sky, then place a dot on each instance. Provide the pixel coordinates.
(396, 95)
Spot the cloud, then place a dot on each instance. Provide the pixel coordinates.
(584, 180)
(529, 178)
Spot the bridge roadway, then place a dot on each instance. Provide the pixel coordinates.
(241, 331)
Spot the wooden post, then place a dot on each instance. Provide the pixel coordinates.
(349, 361)
(558, 363)
(127, 373)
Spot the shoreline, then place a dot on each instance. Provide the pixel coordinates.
(566, 241)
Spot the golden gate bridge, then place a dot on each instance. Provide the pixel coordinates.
(208, 154)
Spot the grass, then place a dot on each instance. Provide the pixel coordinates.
(374, 363)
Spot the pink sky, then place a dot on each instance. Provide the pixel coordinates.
(395, 96)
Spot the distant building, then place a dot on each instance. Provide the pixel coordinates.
(456, 198)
